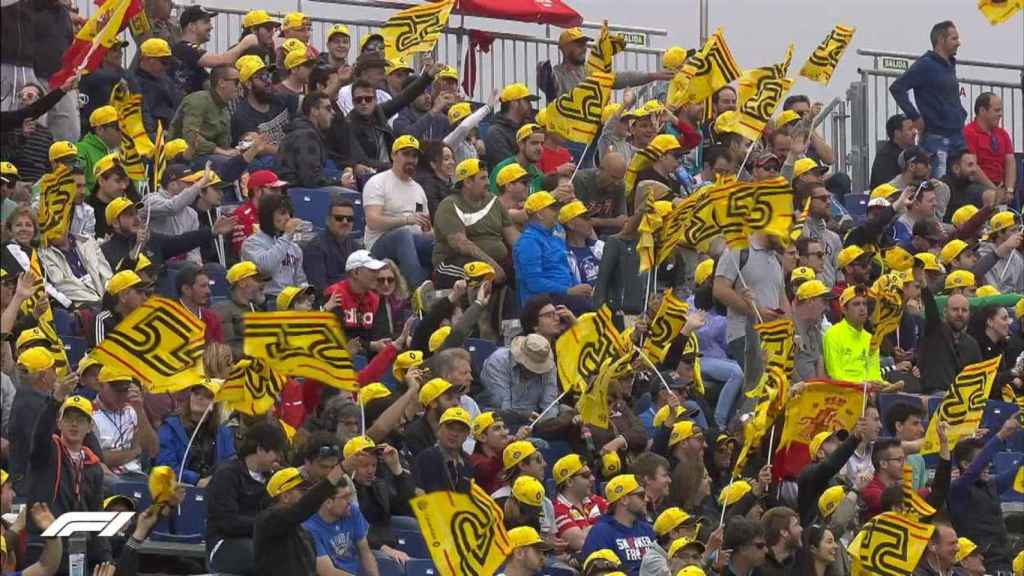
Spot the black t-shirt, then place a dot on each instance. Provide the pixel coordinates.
(652, 174)
(94, 91)
(188, 75)
(272, 122)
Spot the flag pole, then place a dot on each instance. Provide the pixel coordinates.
(721, 519)
(745, 158)
(548, 409)
(739, 274)
(656, 371)
(184, 459)
(864, 404)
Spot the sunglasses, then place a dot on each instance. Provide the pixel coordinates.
(343, 218)
(363, 99)
(386, 279)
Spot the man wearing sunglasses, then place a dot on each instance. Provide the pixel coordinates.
(261, 110)
(819, 211)
(916, 165)
(324, 258)
(766, 166)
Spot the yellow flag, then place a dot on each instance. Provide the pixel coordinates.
(465, 533)
(576, 115)
(771, 210)
(823, 61)
(415, 29)
(582, 349)
(309, 344)
(56, 203)
(251, 387)
(701, 224)
(159, 158)
(963, 405)
(666, 326)
(45, 321)
(823, 405)
(593, 404)
(692, 346)
(890, 544)
(1018, 480)
(709, 70)
(599, 61)
(999, 11)
(913, 503)
(775, 384)
(887, 292)
(777, 344)
(649, 224)
(135, 143)
(641, 160)
(160, 344)
(670, 234)
(761, 91)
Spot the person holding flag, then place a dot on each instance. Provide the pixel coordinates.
(829, 452)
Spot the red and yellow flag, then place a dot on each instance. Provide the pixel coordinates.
(97, 35)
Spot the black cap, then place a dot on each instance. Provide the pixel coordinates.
(194, 13)
(914, 154)
(175, 171)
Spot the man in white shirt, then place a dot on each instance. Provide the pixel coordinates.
(123, 429)
(371, 68)
(397, 218)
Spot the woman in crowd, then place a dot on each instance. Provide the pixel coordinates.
(213, 442)
(273, 248)
(19, 235)
(394, 302)
(435, 171)
(816, 556)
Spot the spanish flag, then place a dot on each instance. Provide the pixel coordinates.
(97, 35)
(708, 70)
(963, 405)
(821, 64)
(465, 533)
(309, 344)
(999, 11)
(415, 29)
(576, 115)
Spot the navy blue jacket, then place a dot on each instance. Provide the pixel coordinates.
(324, 259)
(174, 440)
(629, 543)
(541, 263)
(936, 91)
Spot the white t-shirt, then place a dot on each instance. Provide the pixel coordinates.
(115, 431)
(397, 197)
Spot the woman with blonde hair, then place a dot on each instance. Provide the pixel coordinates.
(197, 421)
(394, 302)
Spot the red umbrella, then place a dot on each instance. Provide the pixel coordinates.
(554, 12)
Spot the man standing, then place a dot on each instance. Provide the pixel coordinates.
(829, 452)
(529, 147)
(901, 135)
(624, 529)
(992, 145)
(808, 311)
(939, 116)
(888, 458)
(816, 228)
(945, 347)
(324, 258)
(192, 60)
(782, 533)
(445, 465)
(339, 41)
(847, 345)
(160, 96)
(516, 109)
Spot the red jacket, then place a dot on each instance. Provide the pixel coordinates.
(246, 218)
(214, 331)
(357, 310)
(689, 137)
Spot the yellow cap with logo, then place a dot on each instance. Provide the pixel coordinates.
(357, 445)
(248, 66)
(679, 543)
(457, 112)
(62, 149)
(296, 58)
(847, 255)
(526, 536)
(432, 390)
(8, 169)
(117, 206)
(36, 359)
(241, 271)
(703, 271)
(295, 21)
(35, 334)
(734, 492)
(338, 29)
(566, 467)
(102, 116)
(510, 173)
(572, 210)
(438, 337)
(898, 259)
(929, 261)
(959, 279)
(371, 392)
(987, 290)
(284, 480)
(122, 281)
(804, 273)
(830, 500)
(80, 403)
(787, 117)
(661, 416)
(155, 48)
(538, 201)
(528, 490)
(404, 361)
(570, 35)
(611, 464)
(516, 452)
(669, 520)
(883, 191)
(106, 164)
(257, 18)
(683, 430)
(620, 486)
(951, 250)
(447, 73)
(664, 143)
(610, 110)
(805, 165)
(456, 414)
(483, 422)
(603, 554)
(527, 130)
(963, 214)
(467, 168)
(964, 548)
(479, 270)
(405, 142)
(290, 293)
(811, 289)
(517, 91)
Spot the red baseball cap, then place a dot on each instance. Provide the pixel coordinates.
(265, 179)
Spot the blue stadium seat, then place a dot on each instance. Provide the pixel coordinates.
(75, 348)
(856, 205)
(555, 450)
(187, 523)
(359, 222)
(219, 287)
(138, 490)
(996, 413)
(479, 350)
(554, 571)
(387, 566)
(411, 543)
(420, 567)
(64, 323)
(310, 204)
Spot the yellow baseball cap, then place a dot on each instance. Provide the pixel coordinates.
(611, 464)
(3, 477)
(102, 116)
(669, 520)
(295, 21)
(213, 385)
(572, 210)
(62, 149)
(566, 467)
(156, 48)
(963, 214)
(964, 548)
(703, 271)
(621, 485)
(570, 35)
(987, 290)
(80, 403)
(447, 73)
(883, 191)
(293, 45)
(371, 392)
(366, 39)
(538, 201)
(732, 493)
(338, 29)
(284, 480)
(802, 273)
(396, 64)
(258, 18)
(819, 439)
(674, 58)
(357, 445)
(662, 415)
(510, 173)
(527, 130)
(692, 571)
(118, 498)
(175, 148)
(787, 117)
(1018, 564)
(528, 490)
(603, 554)
(898, 259)
(248, 66)
(110, 374)
(106, 164)
(404, 361)
(296, 58)
(438, 337)
(682, 542)
(1001, 221)
(929, 261)
(848, 255)
(663, 144)
(455, 414)
(122, 281)
(517, 91)
(403, 142)
(457, 112)
(241, 271)
(8, 169)
(432, 390)
(117, 206)
(87, 362)
(466, 168)
(805, 165)
(830, 500)
(516, 452)
(951, 250)
(609, 110)
(849, 293)
(728, 121)
(30, 335)
(36, 359)
(212, 180)
(811, 289)
(526, 536)
(478, 270)
(483, 422)
(959, 279)
(290, 293)
(682, 430)
(541, 119)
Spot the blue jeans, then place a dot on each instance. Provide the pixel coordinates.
(729, 373)
(940, 147)
(410, 251)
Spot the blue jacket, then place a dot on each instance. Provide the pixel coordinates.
(174, 439)
(542, 263)
(936, 91)
(629, 543)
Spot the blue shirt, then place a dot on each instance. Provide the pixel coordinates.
(936, 91)
(541, 263)
(629, 543)
(338, 540)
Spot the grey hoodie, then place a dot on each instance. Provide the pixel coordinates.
(280, 258)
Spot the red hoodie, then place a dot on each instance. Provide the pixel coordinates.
(356, 310)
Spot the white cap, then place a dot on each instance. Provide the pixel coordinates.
(878, 202)
(362, 259)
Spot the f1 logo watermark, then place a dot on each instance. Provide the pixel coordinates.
(106, 523)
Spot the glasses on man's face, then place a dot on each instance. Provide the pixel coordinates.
(362, 99)
(342, 218)
(262, 76)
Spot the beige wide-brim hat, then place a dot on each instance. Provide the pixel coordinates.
(533, 352)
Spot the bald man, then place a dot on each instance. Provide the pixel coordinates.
(946, 347)
(603, 190)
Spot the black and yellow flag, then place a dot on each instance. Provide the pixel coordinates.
(890, 544)
(887, 292)
(309, 344)
(775, 387)
(160, 344)
(465, 533)
(1018, 480)
(593, 405)
(702, 225)
(649, 225)
(777, 345)
(251, 387)
(742, 208)
(599, 61)
(581, 350)
(415, 29)
(159, 158)
(913, 503)
(999, 11)
(135, 143)
(57, 192)
(641, 160)
(665, 327)
(670, 234)
(576, 115)
(692, 346)
(706, 71)
(761, 91)
(821, 64)
(963, 405)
